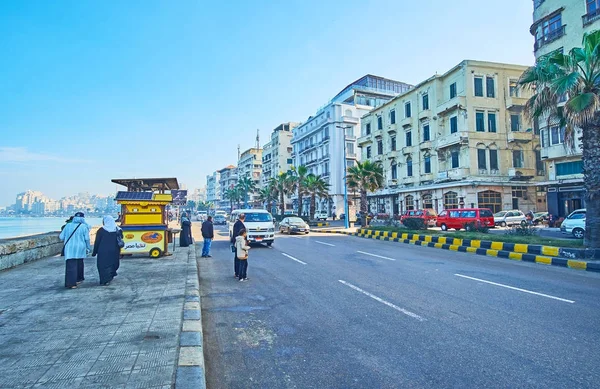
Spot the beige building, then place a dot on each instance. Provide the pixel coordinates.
(559, 25)
(277, 154)
(456, 140)
(228, 177)
(250, 165)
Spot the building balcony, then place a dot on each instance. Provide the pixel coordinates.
(393, 182)
(455, 174)
(591, 17)
(350, 120)
(350, 138)
(377, 133)
(425, 114)
(427, 177)
(378, 157)
(351, 155)
(557, 152)
(391, 129)
(325, 139)
(515, 102)
(551, 37)
(406, 122)
(425, 145)
(521, 172)
(451, 105)
(407, 150)
(460, 137)
(520, 136)
(394, 154)
(365, 139)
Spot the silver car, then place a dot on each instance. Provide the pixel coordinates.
(510, 218)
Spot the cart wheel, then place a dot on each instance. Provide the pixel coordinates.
(155, 253)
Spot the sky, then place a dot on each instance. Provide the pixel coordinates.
(92, 90)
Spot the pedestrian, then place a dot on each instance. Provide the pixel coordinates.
(76, 236)
(185, 239)
(237, 227)
(69, 220)
(333, 216)
(241, 252)
(107, 248)
(208, 233)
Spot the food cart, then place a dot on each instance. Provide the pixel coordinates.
(144, 219)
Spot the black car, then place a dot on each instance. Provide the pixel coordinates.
(219, 220)
(290, 225)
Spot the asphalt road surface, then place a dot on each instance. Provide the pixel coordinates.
(332, 311)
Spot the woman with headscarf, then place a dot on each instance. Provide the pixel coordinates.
(107, 249)
(76, 236)
(185, 239)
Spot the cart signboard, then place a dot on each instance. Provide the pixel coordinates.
(179, 197)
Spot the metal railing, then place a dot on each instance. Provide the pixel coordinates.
(591, 17)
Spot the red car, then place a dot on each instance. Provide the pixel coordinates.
(428, 215)
(459, 218)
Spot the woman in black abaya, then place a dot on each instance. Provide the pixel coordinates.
(185, 239)
(107, 249)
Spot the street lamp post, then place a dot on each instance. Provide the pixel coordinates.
(346, 210)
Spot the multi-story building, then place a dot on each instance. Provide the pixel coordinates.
(559, 25)
(25, 200)
(250, 165)
(319, 142)
(213, 188)
(456, 140)
(277, 153)
(227, 180)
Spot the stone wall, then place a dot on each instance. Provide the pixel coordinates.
(17, 251)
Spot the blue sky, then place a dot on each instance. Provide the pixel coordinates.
(97, 89)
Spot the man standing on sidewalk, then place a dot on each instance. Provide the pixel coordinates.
(208, 233)
(237, 227)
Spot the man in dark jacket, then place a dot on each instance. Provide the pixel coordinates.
(237, 227)
(208, 233)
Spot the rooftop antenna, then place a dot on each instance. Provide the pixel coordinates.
(238, 152)
(257, 139)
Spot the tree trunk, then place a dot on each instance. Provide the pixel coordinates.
(282, 203)
(363, 208)
(299, 201)
(312, 205)
(591, 163)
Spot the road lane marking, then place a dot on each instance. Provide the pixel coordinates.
(326, 244)
(375, 255)
(397, 308)
(517, 289)
(297, 260)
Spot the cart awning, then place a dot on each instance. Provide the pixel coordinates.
(147, 184)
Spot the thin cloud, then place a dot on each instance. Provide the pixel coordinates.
(22, 155)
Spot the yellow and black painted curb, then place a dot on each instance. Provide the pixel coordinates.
(324, 224)
(546, 255)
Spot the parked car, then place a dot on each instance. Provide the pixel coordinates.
(290, 225)
(429, 216)
(320, 215)
(574, 224)
(201, 216)
(459, 218)
(259, 225)
(219, 220)
(540, 218)
(510, 218)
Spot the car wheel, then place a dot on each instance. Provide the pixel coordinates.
(269, 244)
(444, 227)
(578, 233)
(502, 224)
(289, 231)
(307, 232)
(523, 223)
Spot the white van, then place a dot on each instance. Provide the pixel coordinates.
(259, 225)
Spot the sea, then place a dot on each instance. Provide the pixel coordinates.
(11, 227)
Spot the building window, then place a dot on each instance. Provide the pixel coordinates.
(481, 162)
(407, 110)
(453, 124)
(290, 161)
(494, 160)
(379, 147)
(393, 142)
(519, 191)
(427, 201)
(453, 90)
(490, 199)
(425, 101)
(408, 138)
(394, 171)
(479, 86)
(549, 31)
(557, 135)
(480, 121)
(517, 158)
(489, 87)
(454, 157)
(410, 202)
(491, 122)
(393, 117)
(427, 161)
(513, 88)
(368, 151)
(592, 6)
(515, 123)
(568, 168)
(450, 200)
(426, 135)
(544, 138)
(368, 129)
(409, 169)
(379, 122)
(540, 167)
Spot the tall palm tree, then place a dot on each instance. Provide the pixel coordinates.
(282, 185)
(316, 186)
(267, 196)
(365, 177)
(246, 186)
(576, 77)
(300, 174)
(232, 195)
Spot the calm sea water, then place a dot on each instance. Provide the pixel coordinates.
(20, 226)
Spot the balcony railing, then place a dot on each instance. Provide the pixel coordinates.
(550, 37)
(591, 17)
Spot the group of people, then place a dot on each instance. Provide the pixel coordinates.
(77, 246)
(240, 249)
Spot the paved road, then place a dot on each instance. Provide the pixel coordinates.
(328, 311)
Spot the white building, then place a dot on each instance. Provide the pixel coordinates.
(250, 165)
(318, 143)
(227, 180)
(213, 188)
(277, 154)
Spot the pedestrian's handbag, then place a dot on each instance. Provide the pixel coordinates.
(120, 241)
(62, 252)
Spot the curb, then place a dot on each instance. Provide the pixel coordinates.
(190, 365)
(514, 251)
(321, 224)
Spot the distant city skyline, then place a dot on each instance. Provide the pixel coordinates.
(93, 91)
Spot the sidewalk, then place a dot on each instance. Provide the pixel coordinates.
(126, 335)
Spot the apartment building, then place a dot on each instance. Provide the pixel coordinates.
(228, 178)
(213, 188)
(250, 165)
(318, 143)
(559, 25)
(277, 153)
(456, 140)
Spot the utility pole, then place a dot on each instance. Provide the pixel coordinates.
(344, 165)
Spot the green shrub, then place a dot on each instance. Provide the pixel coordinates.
(414, 223)
(521, 230)
(476, 227)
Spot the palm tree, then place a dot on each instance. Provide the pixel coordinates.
(316, 186)
(232, 195)
(365, 177)
(245, 186)
(300, 174)
(267, 196)
(282, 186)
(575, 77)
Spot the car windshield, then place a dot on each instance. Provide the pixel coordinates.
(295, 220)
(500, 214)
(577, 216)
(258, 217)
